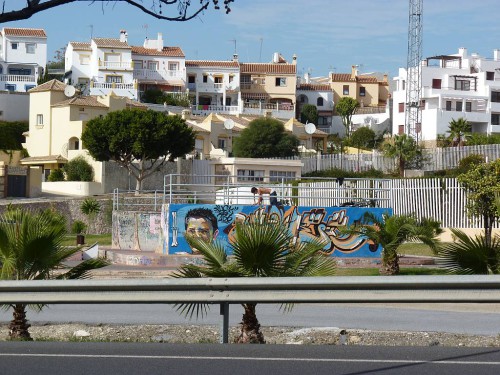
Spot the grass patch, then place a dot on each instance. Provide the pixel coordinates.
(415, 248)
(101, 239)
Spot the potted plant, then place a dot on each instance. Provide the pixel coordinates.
(78, 227)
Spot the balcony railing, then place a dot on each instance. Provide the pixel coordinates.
(158, 75)
(115, 65)
(222, 109)
(17, 78)
(119, 86)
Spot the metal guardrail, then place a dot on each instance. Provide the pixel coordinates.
(226, 291)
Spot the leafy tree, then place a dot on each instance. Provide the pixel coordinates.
(78, 169)
(265, 138)
(482, 184)
(458, 130)
(403, 148)
(260, 249)
(12, 134)
(140, 141)
(364, 137)
(346, 108)
(31, 249)
(309, 113)
(392, 231)
(156, 8)
(470, 255)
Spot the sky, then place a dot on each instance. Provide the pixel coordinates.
(326, 35)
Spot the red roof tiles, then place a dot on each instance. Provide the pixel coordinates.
(268, 68)
(166, 51)
(212, 63)
(40, 33)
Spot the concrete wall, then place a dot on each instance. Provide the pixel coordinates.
(72, 188)
(136, 231)
(14, 106)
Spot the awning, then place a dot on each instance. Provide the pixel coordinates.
(49, 159)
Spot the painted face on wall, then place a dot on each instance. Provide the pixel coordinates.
(200, 228)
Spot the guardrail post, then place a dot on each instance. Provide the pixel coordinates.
(224, 331)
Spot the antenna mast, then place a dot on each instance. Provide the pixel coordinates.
(414, 71)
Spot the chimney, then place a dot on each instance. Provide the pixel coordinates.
(159, 42)
(354, 71)
(276, 57)
(186, 114)
(462, 51)
(294, 59)
(385, 79)
(123, 36)
(496, 54)
(235, 57)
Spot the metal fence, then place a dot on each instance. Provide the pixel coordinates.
(226, 291)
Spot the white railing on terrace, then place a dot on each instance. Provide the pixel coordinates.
(17, 78)
(115, 65)
(162, 75)
(207, 109)
(121, 86)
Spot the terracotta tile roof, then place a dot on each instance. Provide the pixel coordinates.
(346, 77)
(40, 33)
(212, 63)
(48, 159)
(313, 87)
(87, 101)
(268, 68)
(134, 103)
(81, 46)
(52, 85)
(110, 43)
(166, 51)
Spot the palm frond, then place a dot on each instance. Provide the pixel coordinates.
(84, 269)
(190, 310)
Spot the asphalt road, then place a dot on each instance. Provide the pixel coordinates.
(482, 319)
(49, 358)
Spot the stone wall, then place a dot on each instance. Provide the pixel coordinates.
(70, 209)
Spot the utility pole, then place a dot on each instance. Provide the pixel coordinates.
(413, 113)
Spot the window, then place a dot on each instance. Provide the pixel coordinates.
(250, 175)
(10, 87)
(205, 78)
(401, 129)
(436, 83)
(173, 66)
(345, 89)
(39, 119)
(231, 78)
(19, 71)
(137, 64)
(191, 79)
(448, 105)
(218, 79)
(221, 143)
(468, 106)
(459, 107)
(319, 102)
(401, 107)
(28, 87)
(277, 176)
(422, 104)
(495, 96)
(114, 79)
(362, 91)
(490, 76)
(280, 81)
(245, 78)
(84, 59)
(14, 45)
(495, 119)
(30, 48)
(462, 85)
(153, 65)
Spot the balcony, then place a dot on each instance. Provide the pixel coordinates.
(121, 89)
(17, 78)
(115, 65)
(278, 110)
(246, 86)
(159, 75)
(205, 110)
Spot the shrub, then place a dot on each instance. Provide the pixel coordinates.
(56, 175)
(78, 227)
(79, 169)
(469, 161)
(90, 206)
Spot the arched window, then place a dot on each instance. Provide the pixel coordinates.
(74, 144)
(319, 102)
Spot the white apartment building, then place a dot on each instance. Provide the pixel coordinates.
(106, 65)
(453, 86)
(320, 95)
(214, 86)
(23, 57)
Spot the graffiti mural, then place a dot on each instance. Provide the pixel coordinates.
(217, 223)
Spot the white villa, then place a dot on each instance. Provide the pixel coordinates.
(453, 86)
(23, 57)
(106, 65)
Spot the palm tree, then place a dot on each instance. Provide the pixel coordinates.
(30, 249)
(458, 130)
(260, 249)
(403, 148)
(470, 255)
(392, 231)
